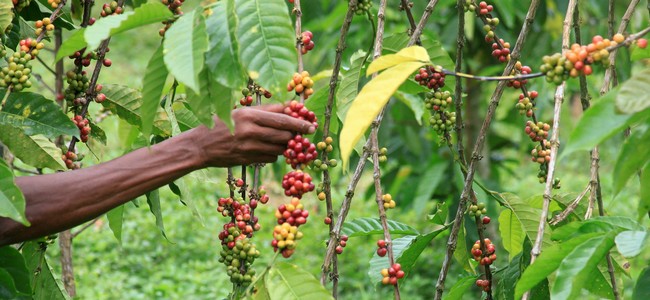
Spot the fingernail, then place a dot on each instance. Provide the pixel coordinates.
(312, 129)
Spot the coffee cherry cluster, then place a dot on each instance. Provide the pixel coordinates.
(477, 209)
(84, 127)
(363, 6)
(299, 111)
(381, 248)
(297, 183)
(307, 42)
(519, 69)
(437, 101)
(241, 213)
(70, 158)
(20, 4)
(175, 7)
(251, 90)
(483, 284)
(525, 104)
(383, 155)
(54, 3)
(300, 152)
(326, 146)
(3, 51)
(500, 51)
(293, 213)
(537, 132)
(284, 239)
(30, 46)
(392, 274)
(342, 243)
(302, 84)
(388, 201)
(75, 93)
(485, 259)
(17, 72)
(45, 24)
(541, 154)
(484, 8)
(430, 77)
(238, 261)
(443, 122)
(111, 8)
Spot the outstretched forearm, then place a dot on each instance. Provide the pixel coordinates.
(56, 202)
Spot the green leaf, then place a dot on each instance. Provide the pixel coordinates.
(406, 251)
(7, 285)
(600, 224)
(512, 233)
(35, 114)
(179, 187)
(150, 13)
(97, 133)
(602, 116)
(6, 14)
(223, 52)
(153, 200)
(286, 281)
(642, 287)
(459, 289)
(185, 118)
(153, 84)
(349, 85)
(36, 151)
(633, 96)
(185, 44)
(414, 103)
(125, 102)
(579, 265)
(12, 262)
(632, 157)
(268, 39)
(548, 261)
(631, 243)
(115, 218)
(461, 254)
(214, 99)
(12, 201)
(317, 104)
(428, 183)
(644, 200)
(75, 42)
(528, 216)
(45, 285)
(374, 95)
(372, 226)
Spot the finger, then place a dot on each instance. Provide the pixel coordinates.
(284, 122)
(256, 148)
(270, 135)
(264, 159)
(274, 108)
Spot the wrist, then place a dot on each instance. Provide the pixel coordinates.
(189, 147)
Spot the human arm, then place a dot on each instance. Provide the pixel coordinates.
(59, 201)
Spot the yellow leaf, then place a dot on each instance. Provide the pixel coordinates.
(369, 102)
(409, 54)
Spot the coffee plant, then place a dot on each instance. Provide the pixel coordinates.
(503, 137)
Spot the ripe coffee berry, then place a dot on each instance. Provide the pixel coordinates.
(484, 284)
(342, 243)
(484, 258)
(501, 51)
(111, 8)
(84, 127)
(299, 111)
(537, 132)
(642, 43)
(484, 8)
(381, 248)
(302, 84)
(292, 213)
(297, 183)
(430, 77)
(392, 274)
(307, 42)
(284, 239)
(523, 70)
(300, 152)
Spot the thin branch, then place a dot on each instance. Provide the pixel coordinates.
(493, 78)
(478, 147)
(327, 182)
(40, 80)
(86, 226)
(610, 73)
(423, 21)
(45, 65)
(299, 45)
(406, 6)
(570, 208)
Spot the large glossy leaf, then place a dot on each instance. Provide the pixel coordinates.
(35, 114)
(317, 103)
(632, 157)
(13, 263)
(36, 151)
(644, 200)
(115, 218)
(45, 286)
(631, 243)
(153, 84)
(633, 96)
(371, 226)
(12, 201)
(528, 216)
(153, 200)
(286, 281)
(125, 102)
(223, 52)
(579, 266)
(268, 41)
(406, 251)
(461, 254)
(373, 97)
(549, 260)
(427, 184)
(185, 118)
(512, 233)
(415, 103)
(185, 44)
(150, 13)
(75, 42)
(602, 115)
(459, 289)
(6, 15)
(349, 86)
(642, 287)
(600, 224)
(214, 99)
